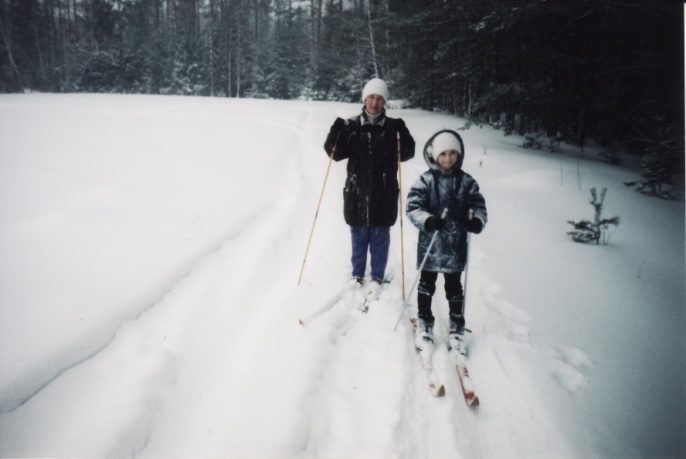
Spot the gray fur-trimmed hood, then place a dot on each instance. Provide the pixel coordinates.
(428, 158)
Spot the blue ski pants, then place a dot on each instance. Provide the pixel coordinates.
(376, 241)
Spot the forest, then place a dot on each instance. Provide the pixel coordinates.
(608, 71)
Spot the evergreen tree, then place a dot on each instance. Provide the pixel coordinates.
(569, 70)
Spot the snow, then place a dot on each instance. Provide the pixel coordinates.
(151, 248)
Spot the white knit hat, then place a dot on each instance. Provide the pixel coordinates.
(443, 142)
(375, 86)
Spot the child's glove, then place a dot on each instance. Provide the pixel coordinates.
(434, 224)
(475, 225)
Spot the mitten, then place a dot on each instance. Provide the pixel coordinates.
(434, 224)
(475, 225)
(337, 127)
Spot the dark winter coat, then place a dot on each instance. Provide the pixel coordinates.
(370, 196)
(434, 191)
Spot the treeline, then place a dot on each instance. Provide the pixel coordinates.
(610, 70)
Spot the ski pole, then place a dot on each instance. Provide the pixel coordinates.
(321, 195)
(419, 273)
(466, 266)
(400, 199)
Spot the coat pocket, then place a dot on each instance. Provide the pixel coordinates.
(388, 202)
(350, 198)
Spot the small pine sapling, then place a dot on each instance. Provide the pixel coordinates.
(596, 230)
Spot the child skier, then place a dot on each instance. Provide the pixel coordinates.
(444, 186)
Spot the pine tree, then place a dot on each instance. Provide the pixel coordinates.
(596, 230)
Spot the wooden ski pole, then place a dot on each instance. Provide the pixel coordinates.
(321, 195)
(400, 205)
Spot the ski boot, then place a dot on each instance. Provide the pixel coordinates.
(424, 338)
(374, 289)
(456, 334)
(372, 292)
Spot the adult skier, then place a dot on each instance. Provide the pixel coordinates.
(370, 142)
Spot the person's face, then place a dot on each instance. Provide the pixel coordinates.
(447, 159)
(374, 104)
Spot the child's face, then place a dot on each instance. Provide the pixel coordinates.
(374, 104)
(447, 159)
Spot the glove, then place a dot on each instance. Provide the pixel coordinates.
(434, 224)
(337, 127)
(475, 225)
(332, 140)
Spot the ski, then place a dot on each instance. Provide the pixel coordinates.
(466, 382)
(366, 300)
(425, 357)
(335, 299)
(460, 361)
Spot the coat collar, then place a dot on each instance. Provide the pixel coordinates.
(364, 120)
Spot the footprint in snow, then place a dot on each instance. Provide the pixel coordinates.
(515, 318)
(504, 307)
(567, 368)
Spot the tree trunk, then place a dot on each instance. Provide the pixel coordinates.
(63, 31)
(91, 27)
(371, 38)
(210, 34)
(319, 25)
(5, 32)
(238, 17)
(313, 26)
(257, 21)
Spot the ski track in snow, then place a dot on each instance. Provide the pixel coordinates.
(156, 361)
(357, 376)
(42, 378)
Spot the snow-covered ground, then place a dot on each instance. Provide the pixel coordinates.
(150, 251)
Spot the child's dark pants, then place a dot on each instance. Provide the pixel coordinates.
(453, 292)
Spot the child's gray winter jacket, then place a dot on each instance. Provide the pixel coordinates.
(434, 191)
